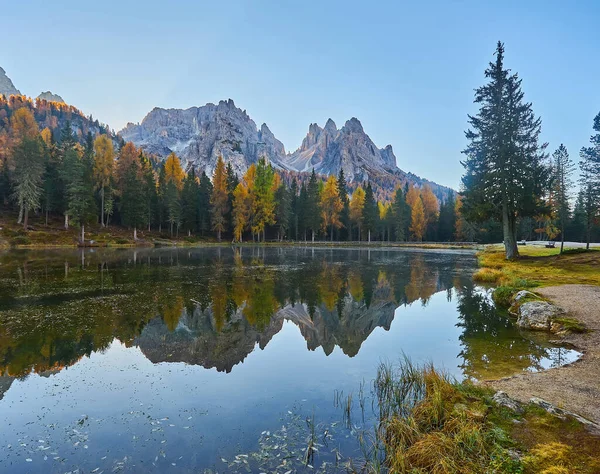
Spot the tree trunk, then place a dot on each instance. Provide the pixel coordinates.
(82, 234)
(219, 235)
(66, 221)
(20, 218)
(102, 207)
(369, 236)
(562, 233)
(26, 216)
(134, 234)
(510, 240)
(313, 236)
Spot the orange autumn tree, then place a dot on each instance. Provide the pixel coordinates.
(173, 171)
(331, 205)
(219, 200)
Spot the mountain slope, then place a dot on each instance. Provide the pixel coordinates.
(198, 135)
(7, 88)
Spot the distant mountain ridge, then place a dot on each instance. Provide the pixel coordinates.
(199, 135)
(7, 88)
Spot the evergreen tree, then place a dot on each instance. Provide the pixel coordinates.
(447, 219)
(283, 198)
(400, 215)
(294, 210)
(103, 168)
(342, 185)
(79, 187)
(27, 176)
(204, 194)
(563, 169)
(505, 176)
(189, 202)
(264, 198)
(312, 210)
(370, 211)
(150, 190)
(133, 202)
(589, 180)
(232, 182)
(303, 220)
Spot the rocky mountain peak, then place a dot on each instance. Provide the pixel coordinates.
(7, 88)
(330, 126)
(50, 97)
(353, 126)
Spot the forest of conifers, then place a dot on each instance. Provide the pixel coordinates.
(88, 175)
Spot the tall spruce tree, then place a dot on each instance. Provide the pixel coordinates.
(189, 202)
(79, 190)
(400, 215)
(589, 180)
(204, 194)
(344, 231)
(370, 211)
(562, 172)
(133, 203)
(312, 210)
(447, 219)
(294, 209)
(28, 174)
(505, 174)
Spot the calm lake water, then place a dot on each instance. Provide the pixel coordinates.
(228, 360)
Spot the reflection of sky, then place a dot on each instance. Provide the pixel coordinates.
(214, 413)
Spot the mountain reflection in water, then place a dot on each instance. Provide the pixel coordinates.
(212, 306)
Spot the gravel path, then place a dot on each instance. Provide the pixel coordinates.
(575, 387)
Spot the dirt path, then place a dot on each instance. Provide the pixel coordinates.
(575, 387)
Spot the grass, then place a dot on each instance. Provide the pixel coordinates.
(571, 325)
(430, 423)
(535, 268)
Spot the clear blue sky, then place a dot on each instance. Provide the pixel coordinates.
(406, 70)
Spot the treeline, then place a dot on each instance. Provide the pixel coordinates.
(94, 180)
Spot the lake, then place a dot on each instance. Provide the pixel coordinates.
(225, 359)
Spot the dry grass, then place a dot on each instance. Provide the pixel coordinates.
(543, 267)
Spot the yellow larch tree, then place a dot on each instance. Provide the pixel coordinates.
(104, 157)
(431, 206)
(219, 199)
(241, 210)
(331, 205)
(173, 171)
(357, 203)
(417, 221)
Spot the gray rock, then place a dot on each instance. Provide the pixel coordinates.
(559, 412)
(524, 294)
(537, 315)
(502, 399)
(7, 88)
(50, 97)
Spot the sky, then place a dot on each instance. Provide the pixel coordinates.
(406, 70)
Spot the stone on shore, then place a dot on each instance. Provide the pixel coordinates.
(537, 315)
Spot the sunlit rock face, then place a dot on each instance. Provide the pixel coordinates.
(199, 135)
(328, 150)
(7, 88)
(50, 97)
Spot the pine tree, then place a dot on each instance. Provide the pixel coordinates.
(189, 202)
(294, 209)
(219, 199)
(312, 211)
(589, 180)
(283, 209)
(80, 199)
(303, 220)
(505, 176)
(345, 212)
(370, 211)
(133, 203)
(563, 169)
(149, 190)
(400, 215)
(27, 176)
(447, 219)
(232, 182)
(204, 196)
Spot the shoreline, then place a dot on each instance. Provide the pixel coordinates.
(575, 386)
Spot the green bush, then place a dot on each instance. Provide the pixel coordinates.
(20, 240)
(121, 241)
(503, 295)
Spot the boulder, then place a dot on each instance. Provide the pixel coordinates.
(502, 399)
(537, 315)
